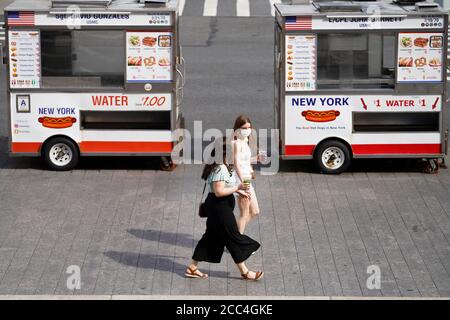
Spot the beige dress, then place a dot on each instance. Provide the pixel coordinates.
(245, 168)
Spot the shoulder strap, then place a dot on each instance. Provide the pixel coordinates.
(204, 188)
(203, 193)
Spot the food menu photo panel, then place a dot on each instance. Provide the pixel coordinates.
(24, 59)
(420, 57)
(149, 56)
(301, 62)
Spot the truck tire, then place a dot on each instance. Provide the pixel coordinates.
(166, 164)
(332, 157)
(60, 154)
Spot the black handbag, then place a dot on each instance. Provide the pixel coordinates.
(201, 209)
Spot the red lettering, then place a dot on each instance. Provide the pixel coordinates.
(161, 101)
(390, 103)
(400, 103)
(96, 100)
(108, 101)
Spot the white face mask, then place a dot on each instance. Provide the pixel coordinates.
(245, 132)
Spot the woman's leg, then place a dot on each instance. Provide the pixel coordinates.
(250, 275)
(244, 215)
(193, 272)
(254, 207)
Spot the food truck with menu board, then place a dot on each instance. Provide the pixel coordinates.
(361, 80)
(93, 78)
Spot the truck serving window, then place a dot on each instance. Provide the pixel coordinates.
(355, 60)
(82, 59)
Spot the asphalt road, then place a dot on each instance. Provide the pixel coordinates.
(229, 70)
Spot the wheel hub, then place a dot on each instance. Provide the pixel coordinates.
(333, 158)
(60, 154)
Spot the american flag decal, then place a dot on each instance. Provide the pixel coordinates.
(21, 18)
(299, 23)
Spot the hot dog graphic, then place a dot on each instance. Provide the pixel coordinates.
(320, 116)
(57, 123)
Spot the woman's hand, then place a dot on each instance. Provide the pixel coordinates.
(261, 157)
(244, 194)
(243, 186)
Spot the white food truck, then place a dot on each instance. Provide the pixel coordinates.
(361, 80)
(93, 78)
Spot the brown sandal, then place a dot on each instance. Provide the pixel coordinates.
(192, 273)
(258, 276)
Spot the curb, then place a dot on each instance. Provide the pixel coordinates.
(197, 298)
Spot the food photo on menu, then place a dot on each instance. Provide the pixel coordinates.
(135, 41)
(134, 61)
(149, 42)
(420, 57)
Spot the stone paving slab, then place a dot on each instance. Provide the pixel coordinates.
(132, 232)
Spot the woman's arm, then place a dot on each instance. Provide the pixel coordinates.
(221, 191)
(236, 153)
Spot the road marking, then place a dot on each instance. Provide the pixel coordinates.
(272, 8)
(181, 7)
(242, 8)
(210, 8)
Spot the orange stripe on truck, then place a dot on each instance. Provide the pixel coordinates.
(299, 150)
(125, 147)
(372, 149)
(424, 148)
(26, 147)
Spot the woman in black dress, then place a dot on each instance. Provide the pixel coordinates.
(221, 227)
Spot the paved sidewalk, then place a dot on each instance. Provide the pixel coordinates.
(132, 232)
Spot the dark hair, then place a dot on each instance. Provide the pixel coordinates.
(240, 121)
(211, 167)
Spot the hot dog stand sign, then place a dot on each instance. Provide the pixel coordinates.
(376, 90)
(113, 87)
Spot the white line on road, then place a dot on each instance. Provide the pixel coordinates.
(242, 8)
(210, 8)
(272, 8)
(181, 7)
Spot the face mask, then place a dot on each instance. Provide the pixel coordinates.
(245, 132)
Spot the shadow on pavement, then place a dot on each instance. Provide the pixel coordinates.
(179, 239)
(156, 262)
(9, 162)
(359, 165)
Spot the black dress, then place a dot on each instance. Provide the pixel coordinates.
(222, 231)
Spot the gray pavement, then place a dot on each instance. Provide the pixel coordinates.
(132, 228)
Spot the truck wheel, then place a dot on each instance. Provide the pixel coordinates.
(60, 154)
(332, 157)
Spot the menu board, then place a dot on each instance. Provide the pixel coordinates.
(420, 57)
(301, 62)
(24, 59)
(149, 56)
